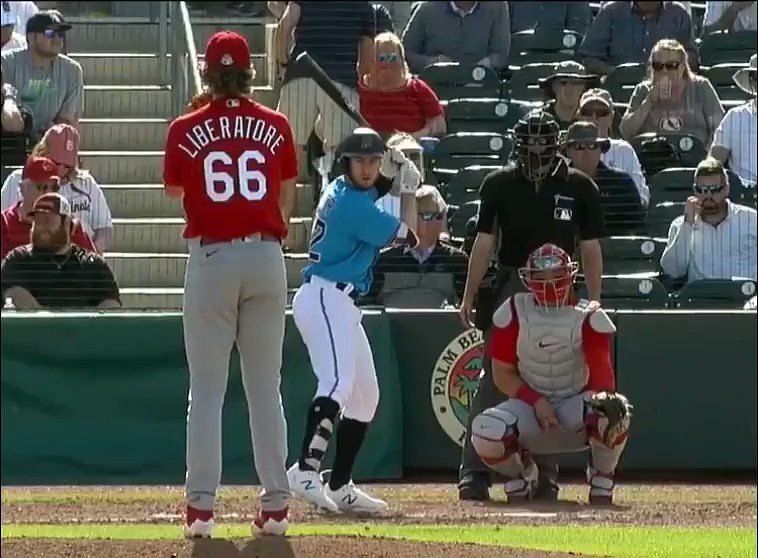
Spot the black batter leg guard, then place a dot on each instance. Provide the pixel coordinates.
(350, 436)
(318, 431)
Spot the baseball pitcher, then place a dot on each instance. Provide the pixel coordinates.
(233, 162)
(551, 357)
(348, 232)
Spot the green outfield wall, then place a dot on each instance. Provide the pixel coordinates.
(101, 398)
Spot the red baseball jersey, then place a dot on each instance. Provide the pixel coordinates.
(230, 158)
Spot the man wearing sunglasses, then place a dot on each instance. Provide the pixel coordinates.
(38, 178)
(48, 82)
(715, 238)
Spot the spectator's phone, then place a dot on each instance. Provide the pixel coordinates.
(664, 88)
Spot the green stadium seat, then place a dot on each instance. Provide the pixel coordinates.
(451, 80)
(675, 185)
(622, 80)
(724, 47)
(464, 186)
(721, 76)
(524, 83)
(659, 217)
(715, 293)
(484, 115)
(625, 255)
(682, 150)
(631, 292)
(539, 57)
(458, 151)
(543, 45)
(462, 215)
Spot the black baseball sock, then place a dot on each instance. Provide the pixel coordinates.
(318, 431)
(350, 436)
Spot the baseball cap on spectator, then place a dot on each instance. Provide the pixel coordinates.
(585, 133)
(742, 76)
(52, 203)
(429, 200)
(567, 70)
(46, 20)
(62, 142)
(596, 96)
(40, 170)
(227, 49)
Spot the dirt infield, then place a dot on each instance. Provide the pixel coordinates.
(298, 547)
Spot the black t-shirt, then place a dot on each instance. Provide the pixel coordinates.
(565, 210)
(331, 32)
(77, 279)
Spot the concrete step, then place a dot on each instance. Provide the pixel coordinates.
(124, 167)
(166, 271)
(139, 298)
(123, 134)
(160, 235)
(127, 101)
(142, 36)
(132, 201)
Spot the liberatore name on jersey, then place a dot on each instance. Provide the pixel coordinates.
(230, 158)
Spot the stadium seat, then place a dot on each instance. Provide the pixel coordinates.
(451, 80)
(622, 80)
(658, 151)
(630, 292)
(625, 255)
(675, 185)
(724, 47)
(458, 151)
(659, 217)
(543, 45)
(721, 76)
(715, 293)
(464, 186)
(484, 115)
(524, 84)
(461, 217)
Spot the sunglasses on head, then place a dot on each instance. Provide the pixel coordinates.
(710, 189)
(599, 112)
(47, 187)
(50, 33)
(658, 66)
(431, 216)
(387, 57)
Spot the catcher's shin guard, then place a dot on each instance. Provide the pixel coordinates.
(494, 436)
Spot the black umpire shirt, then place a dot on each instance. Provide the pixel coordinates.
(76, 279)
(565, 210)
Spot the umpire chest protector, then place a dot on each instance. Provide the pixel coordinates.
(549, 345)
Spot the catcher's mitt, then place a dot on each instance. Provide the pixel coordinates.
(616, 411)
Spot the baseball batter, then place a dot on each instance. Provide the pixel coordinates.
(348, 231)
(551, 357)
(233, 162)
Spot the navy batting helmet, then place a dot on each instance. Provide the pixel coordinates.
(536, 145)
(363, 142)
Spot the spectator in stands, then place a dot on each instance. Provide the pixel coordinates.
(627, 32)
(276, 9)
(339, 37)
(433, 274)
(619, 198)
(399, 12)
(672, 98)
(729, 16)
(38, 178)
(596, 106)
(392, 100)
(53, 273)
(735, 138)
(10, 40)
(564, 88)
(60, 144)
(14, 117)
(466, 32)
(23, 11)
(382, 19)
(49, 83)
(558, 16)
(715, 238)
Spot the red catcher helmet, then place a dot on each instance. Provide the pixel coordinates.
(554, 289)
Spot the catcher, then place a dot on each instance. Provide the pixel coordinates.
(551, 357)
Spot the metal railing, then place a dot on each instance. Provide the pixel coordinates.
(185, 70)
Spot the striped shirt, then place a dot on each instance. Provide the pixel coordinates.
(621, 156)
(704, 251)
(737, 133)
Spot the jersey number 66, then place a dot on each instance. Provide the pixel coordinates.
(251, 183)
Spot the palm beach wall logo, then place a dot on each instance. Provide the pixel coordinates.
(454, 380)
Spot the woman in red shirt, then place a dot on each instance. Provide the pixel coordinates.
(392, 100)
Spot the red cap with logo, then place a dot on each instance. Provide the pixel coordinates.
(52, 203)
(40, 170)
(62, 142)
(227, 49)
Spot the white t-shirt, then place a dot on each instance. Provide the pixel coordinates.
(88, 203)
(737, 133)
(621, 156)
(24, 10)
(17, 42)
(745, 21)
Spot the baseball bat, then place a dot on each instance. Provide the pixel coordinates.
(305, 66)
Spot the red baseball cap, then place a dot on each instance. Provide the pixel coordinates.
(52, 203)
(40, 170)
(62, 142)
(227, 49)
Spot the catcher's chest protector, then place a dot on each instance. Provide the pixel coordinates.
(549, 347)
